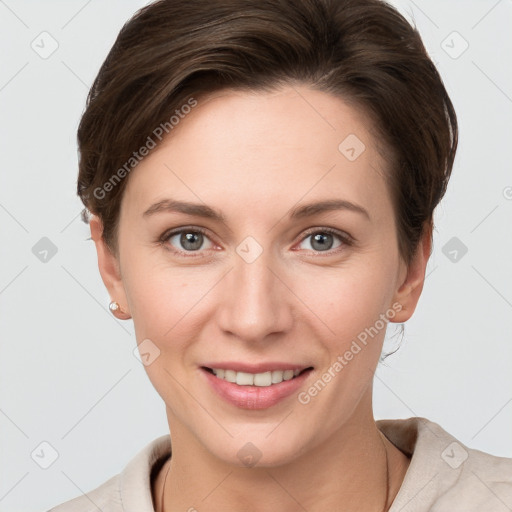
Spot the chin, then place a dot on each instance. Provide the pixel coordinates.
(257, 448)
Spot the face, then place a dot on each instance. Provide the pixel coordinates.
(259, 242)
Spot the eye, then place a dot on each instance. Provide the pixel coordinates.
(325, 239)
(186, 240)
(189, 240)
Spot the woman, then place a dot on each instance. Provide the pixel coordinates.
(261, 178)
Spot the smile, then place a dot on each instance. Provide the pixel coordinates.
(255, 386)
(263, 379)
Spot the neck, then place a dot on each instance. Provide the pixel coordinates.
(356, 466)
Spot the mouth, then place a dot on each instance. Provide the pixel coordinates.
(262, 379)
(254, 386)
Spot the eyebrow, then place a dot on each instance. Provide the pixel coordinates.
(300, 212)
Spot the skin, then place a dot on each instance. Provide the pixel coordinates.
(254, 157)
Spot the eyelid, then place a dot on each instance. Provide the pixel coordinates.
(345, 238)
(164, 239)
(333, 231)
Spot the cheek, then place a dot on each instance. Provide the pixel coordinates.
(162, 299)
(164, 306)
(348, 299)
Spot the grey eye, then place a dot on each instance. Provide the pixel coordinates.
(188, 240)
(321, 241)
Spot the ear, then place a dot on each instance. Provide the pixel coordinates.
(409, 291)
(109, 269)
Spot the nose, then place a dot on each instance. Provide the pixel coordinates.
(255, 301)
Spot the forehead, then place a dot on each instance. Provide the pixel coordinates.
(264, 147)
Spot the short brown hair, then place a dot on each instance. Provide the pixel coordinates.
(363, 51)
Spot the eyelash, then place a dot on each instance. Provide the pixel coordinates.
(346, 240)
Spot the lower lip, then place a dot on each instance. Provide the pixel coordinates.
(255, 397)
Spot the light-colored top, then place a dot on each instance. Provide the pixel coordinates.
(444, 475)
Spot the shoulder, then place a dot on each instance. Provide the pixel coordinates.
(444, 474)
(106, 497)
(130, 490)
(480, 481)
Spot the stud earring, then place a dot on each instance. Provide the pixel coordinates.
(116, 310)
(113, 306)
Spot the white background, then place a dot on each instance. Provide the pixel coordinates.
(67, 372)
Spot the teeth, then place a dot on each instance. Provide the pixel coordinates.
(229, 375)
(244, 379)
(288, 374)
(264, 379)
(277, 376)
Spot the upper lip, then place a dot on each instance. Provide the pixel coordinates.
(255, 368)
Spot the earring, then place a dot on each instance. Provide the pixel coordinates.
(116, 310)
(113, 306)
